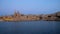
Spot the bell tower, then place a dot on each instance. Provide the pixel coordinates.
(17, 14)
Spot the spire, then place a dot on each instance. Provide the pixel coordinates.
(16, 13)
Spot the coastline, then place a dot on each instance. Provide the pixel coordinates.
(21, 17)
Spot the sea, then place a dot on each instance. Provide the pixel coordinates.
(30, 27)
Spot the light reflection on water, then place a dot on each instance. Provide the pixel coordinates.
(30, 27)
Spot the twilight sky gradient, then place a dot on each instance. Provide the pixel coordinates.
(29, 6)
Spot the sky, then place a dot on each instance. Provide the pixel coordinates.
(29, 6)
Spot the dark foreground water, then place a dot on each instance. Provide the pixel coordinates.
(30, 27)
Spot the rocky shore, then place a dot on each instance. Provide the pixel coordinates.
(21, 17)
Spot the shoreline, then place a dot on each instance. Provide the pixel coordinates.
(21, 17)
(29, 20)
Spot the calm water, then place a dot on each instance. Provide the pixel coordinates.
(30, 27)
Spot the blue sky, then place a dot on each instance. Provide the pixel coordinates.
(29, 6)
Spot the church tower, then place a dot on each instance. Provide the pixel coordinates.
(17, 14)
